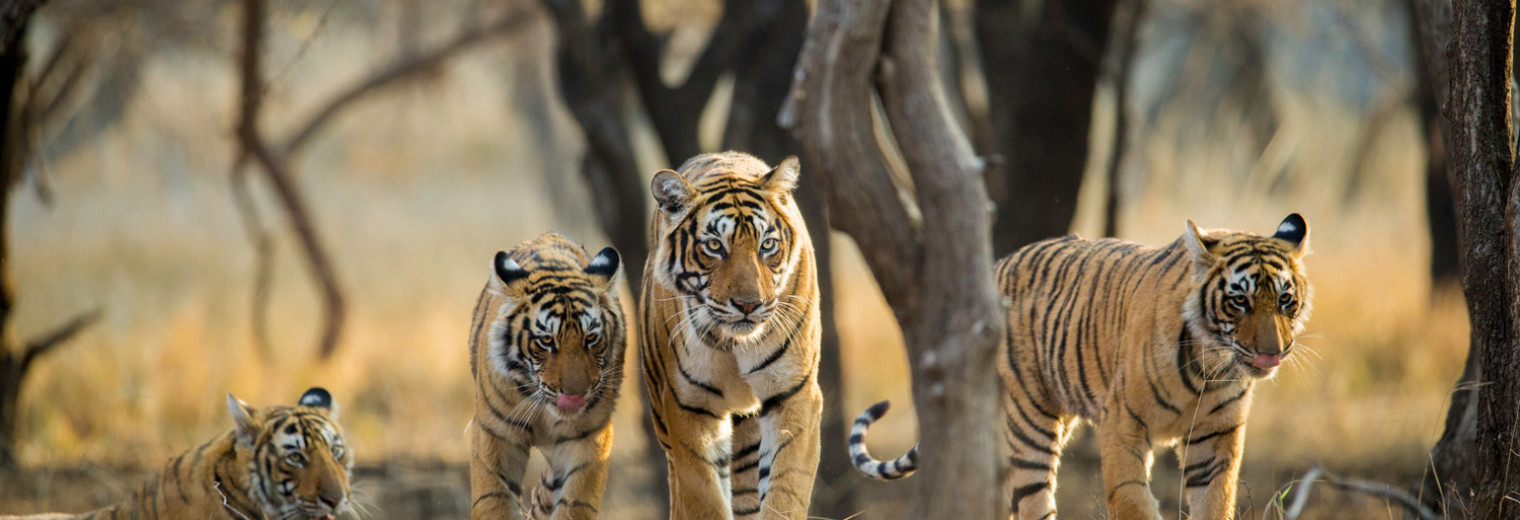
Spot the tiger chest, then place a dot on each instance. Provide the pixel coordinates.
(713, 378)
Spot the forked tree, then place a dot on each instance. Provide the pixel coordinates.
(924, 228)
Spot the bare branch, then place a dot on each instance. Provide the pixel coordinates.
(1377, 489)
(42, 345)
(408, 67)
(263, 250)
(252, 144)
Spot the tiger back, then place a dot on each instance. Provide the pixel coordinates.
(276, 462)
(1156, 347)
(546, 352)
(731, 339)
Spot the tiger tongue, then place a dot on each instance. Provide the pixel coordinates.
(1266, 361)
(570, 402)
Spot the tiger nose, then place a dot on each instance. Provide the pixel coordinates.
(747, 306)
(332, 498)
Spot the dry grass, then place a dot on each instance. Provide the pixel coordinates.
(415, 191)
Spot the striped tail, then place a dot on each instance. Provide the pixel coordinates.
(891, 470)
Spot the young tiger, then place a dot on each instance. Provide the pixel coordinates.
(1156, 347)
(731, 339)
(281, 462)
(546, 352)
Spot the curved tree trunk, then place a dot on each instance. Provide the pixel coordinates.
(938, 284)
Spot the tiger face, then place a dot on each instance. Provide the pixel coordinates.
(726, 240)
(298, 461)
(1253, 297)
(559, 336)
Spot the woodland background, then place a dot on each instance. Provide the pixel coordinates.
(128, 212)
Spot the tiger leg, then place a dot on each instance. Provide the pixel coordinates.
(697, 444)
(572, 484)
(1035, 437)
(789, 452)
(497, 463)
(1125, 450)
(745, 467)
(1211, 467)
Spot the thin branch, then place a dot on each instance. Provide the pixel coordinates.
(403, 69)
(42, 345)
(1129, 42)
(252, 144)
(1377, 489)
(263, 249)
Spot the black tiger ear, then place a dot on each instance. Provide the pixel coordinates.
(318, 397)
(605, 263)
(783, 178)
(1294, 230)
(244, 424)
(507, 269)
(671, 190)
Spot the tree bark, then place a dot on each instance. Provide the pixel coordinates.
(1041, 126)
(939, 284)
(1479, 442)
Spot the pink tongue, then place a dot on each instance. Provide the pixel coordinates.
(1265, 361)
(570, 402)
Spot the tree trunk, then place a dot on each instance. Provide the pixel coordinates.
(1441, 221)
(12, 70)
(939, 284)
(1478, 445)
(1041, 126)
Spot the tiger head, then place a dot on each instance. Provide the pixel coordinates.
(560, 333)
(1252, 297)
(298, 463)
(728, 240)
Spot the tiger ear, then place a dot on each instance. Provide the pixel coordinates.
(604, 267)
(318, 397)
(782, 178)
(1295, 232)
(242, 417)
(508, 272)
(1198, 243)
(671, 191)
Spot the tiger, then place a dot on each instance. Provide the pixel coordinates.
(730, 329)
(546, 351)
(1154, 347)
(282, 462)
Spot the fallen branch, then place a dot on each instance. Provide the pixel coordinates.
(1377, 489)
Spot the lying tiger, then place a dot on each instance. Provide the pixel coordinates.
(281, 462)
(546, 352)
(1156, 347)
